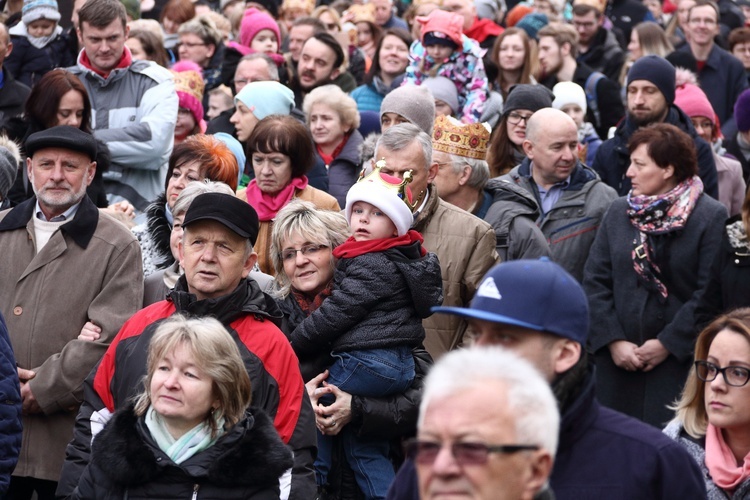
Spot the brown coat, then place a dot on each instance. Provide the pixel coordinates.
(319, 198)
(90, 270)
(465, 246)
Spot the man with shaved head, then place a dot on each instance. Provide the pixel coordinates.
(571, 197)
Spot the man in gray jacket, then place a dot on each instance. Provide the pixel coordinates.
(134, 104)
(571, 196)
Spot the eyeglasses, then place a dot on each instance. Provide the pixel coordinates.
(189, 45)
(332, 27)
(307, 251)
(425, 452)
(516, 118)
(736, 376)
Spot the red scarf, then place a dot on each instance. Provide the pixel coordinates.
(352, 248)
(328, 159)
(482, 29)
(125, 61)
(267, 205)
(308, 304)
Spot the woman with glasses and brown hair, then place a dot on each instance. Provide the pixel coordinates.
(712, 416)
(506, 151)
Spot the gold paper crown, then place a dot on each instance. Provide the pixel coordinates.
(401, 189)
(189, 82)
(467, 140)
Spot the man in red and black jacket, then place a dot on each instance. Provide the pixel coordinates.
(217, 254)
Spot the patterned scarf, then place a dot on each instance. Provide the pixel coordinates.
(659, 214)
(309, 305)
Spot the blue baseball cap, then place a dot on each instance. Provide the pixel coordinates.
(535, 294)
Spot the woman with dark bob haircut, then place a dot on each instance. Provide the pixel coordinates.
(199, 157)
(281, 152)
(644, 274)
(59, 98)
(712, 415)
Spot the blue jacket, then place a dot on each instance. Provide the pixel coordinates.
(723, 79)
(367, 97)
(612, 159)
(10, 410)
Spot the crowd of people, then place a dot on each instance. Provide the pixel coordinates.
(374, 249)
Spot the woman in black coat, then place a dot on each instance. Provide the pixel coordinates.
(649, 262)
(302, 286)
(190, 434)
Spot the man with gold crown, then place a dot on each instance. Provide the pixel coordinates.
(463, 180)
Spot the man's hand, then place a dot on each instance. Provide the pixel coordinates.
(29, 404)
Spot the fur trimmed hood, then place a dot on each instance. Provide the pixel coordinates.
(250, 454)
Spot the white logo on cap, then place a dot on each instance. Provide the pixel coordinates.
(489, 289)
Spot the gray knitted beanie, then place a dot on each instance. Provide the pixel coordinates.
(416, 104)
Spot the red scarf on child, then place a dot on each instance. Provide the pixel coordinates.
(352, 248)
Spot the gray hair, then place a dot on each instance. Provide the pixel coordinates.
(529, 396)
(195, 189)
(480, 171)
(273, 70)
(204, 28)
(401, 136)
(317, 226)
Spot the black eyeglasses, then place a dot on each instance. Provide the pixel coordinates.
(306, 250)
(189, 45)
(736, 376)
(516, 118)
(425, 452)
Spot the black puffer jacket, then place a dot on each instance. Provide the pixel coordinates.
(379, 300)
(244, 464)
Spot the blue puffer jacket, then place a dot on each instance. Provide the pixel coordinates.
(10, 410)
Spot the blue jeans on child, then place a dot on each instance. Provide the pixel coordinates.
(368, 373)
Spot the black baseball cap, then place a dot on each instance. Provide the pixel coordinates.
(229, 210)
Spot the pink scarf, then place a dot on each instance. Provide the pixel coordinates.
(268, 204)
(721, 463)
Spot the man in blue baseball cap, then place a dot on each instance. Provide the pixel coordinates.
(539, 311)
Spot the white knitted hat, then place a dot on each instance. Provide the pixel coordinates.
(568, 93)
(386, 194)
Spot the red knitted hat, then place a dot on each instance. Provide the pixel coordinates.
(693, 101)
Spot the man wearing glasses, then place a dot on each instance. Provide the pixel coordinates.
(720, 74)
(488, 428)
(540, 312)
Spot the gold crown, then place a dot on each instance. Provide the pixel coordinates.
(467, 140)
(401, 189)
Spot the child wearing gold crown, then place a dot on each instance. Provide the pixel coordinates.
(384, 285)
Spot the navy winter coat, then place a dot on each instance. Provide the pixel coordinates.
(28, 64)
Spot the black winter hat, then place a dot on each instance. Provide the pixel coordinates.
(656, 70)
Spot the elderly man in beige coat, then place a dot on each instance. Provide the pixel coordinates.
(64, 263)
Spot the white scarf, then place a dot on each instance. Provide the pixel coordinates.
(193, 441)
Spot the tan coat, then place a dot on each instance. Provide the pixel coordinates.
(90, 270)
(465, 246)
(319, 198)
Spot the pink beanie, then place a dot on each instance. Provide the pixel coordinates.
(447, 23)
(189, 86)
(254, 21)
(693, 101)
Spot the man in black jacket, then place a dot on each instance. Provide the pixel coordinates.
(598, 47)
(558, 47)
(651, 90)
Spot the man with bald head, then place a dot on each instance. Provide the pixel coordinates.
(571, 197)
